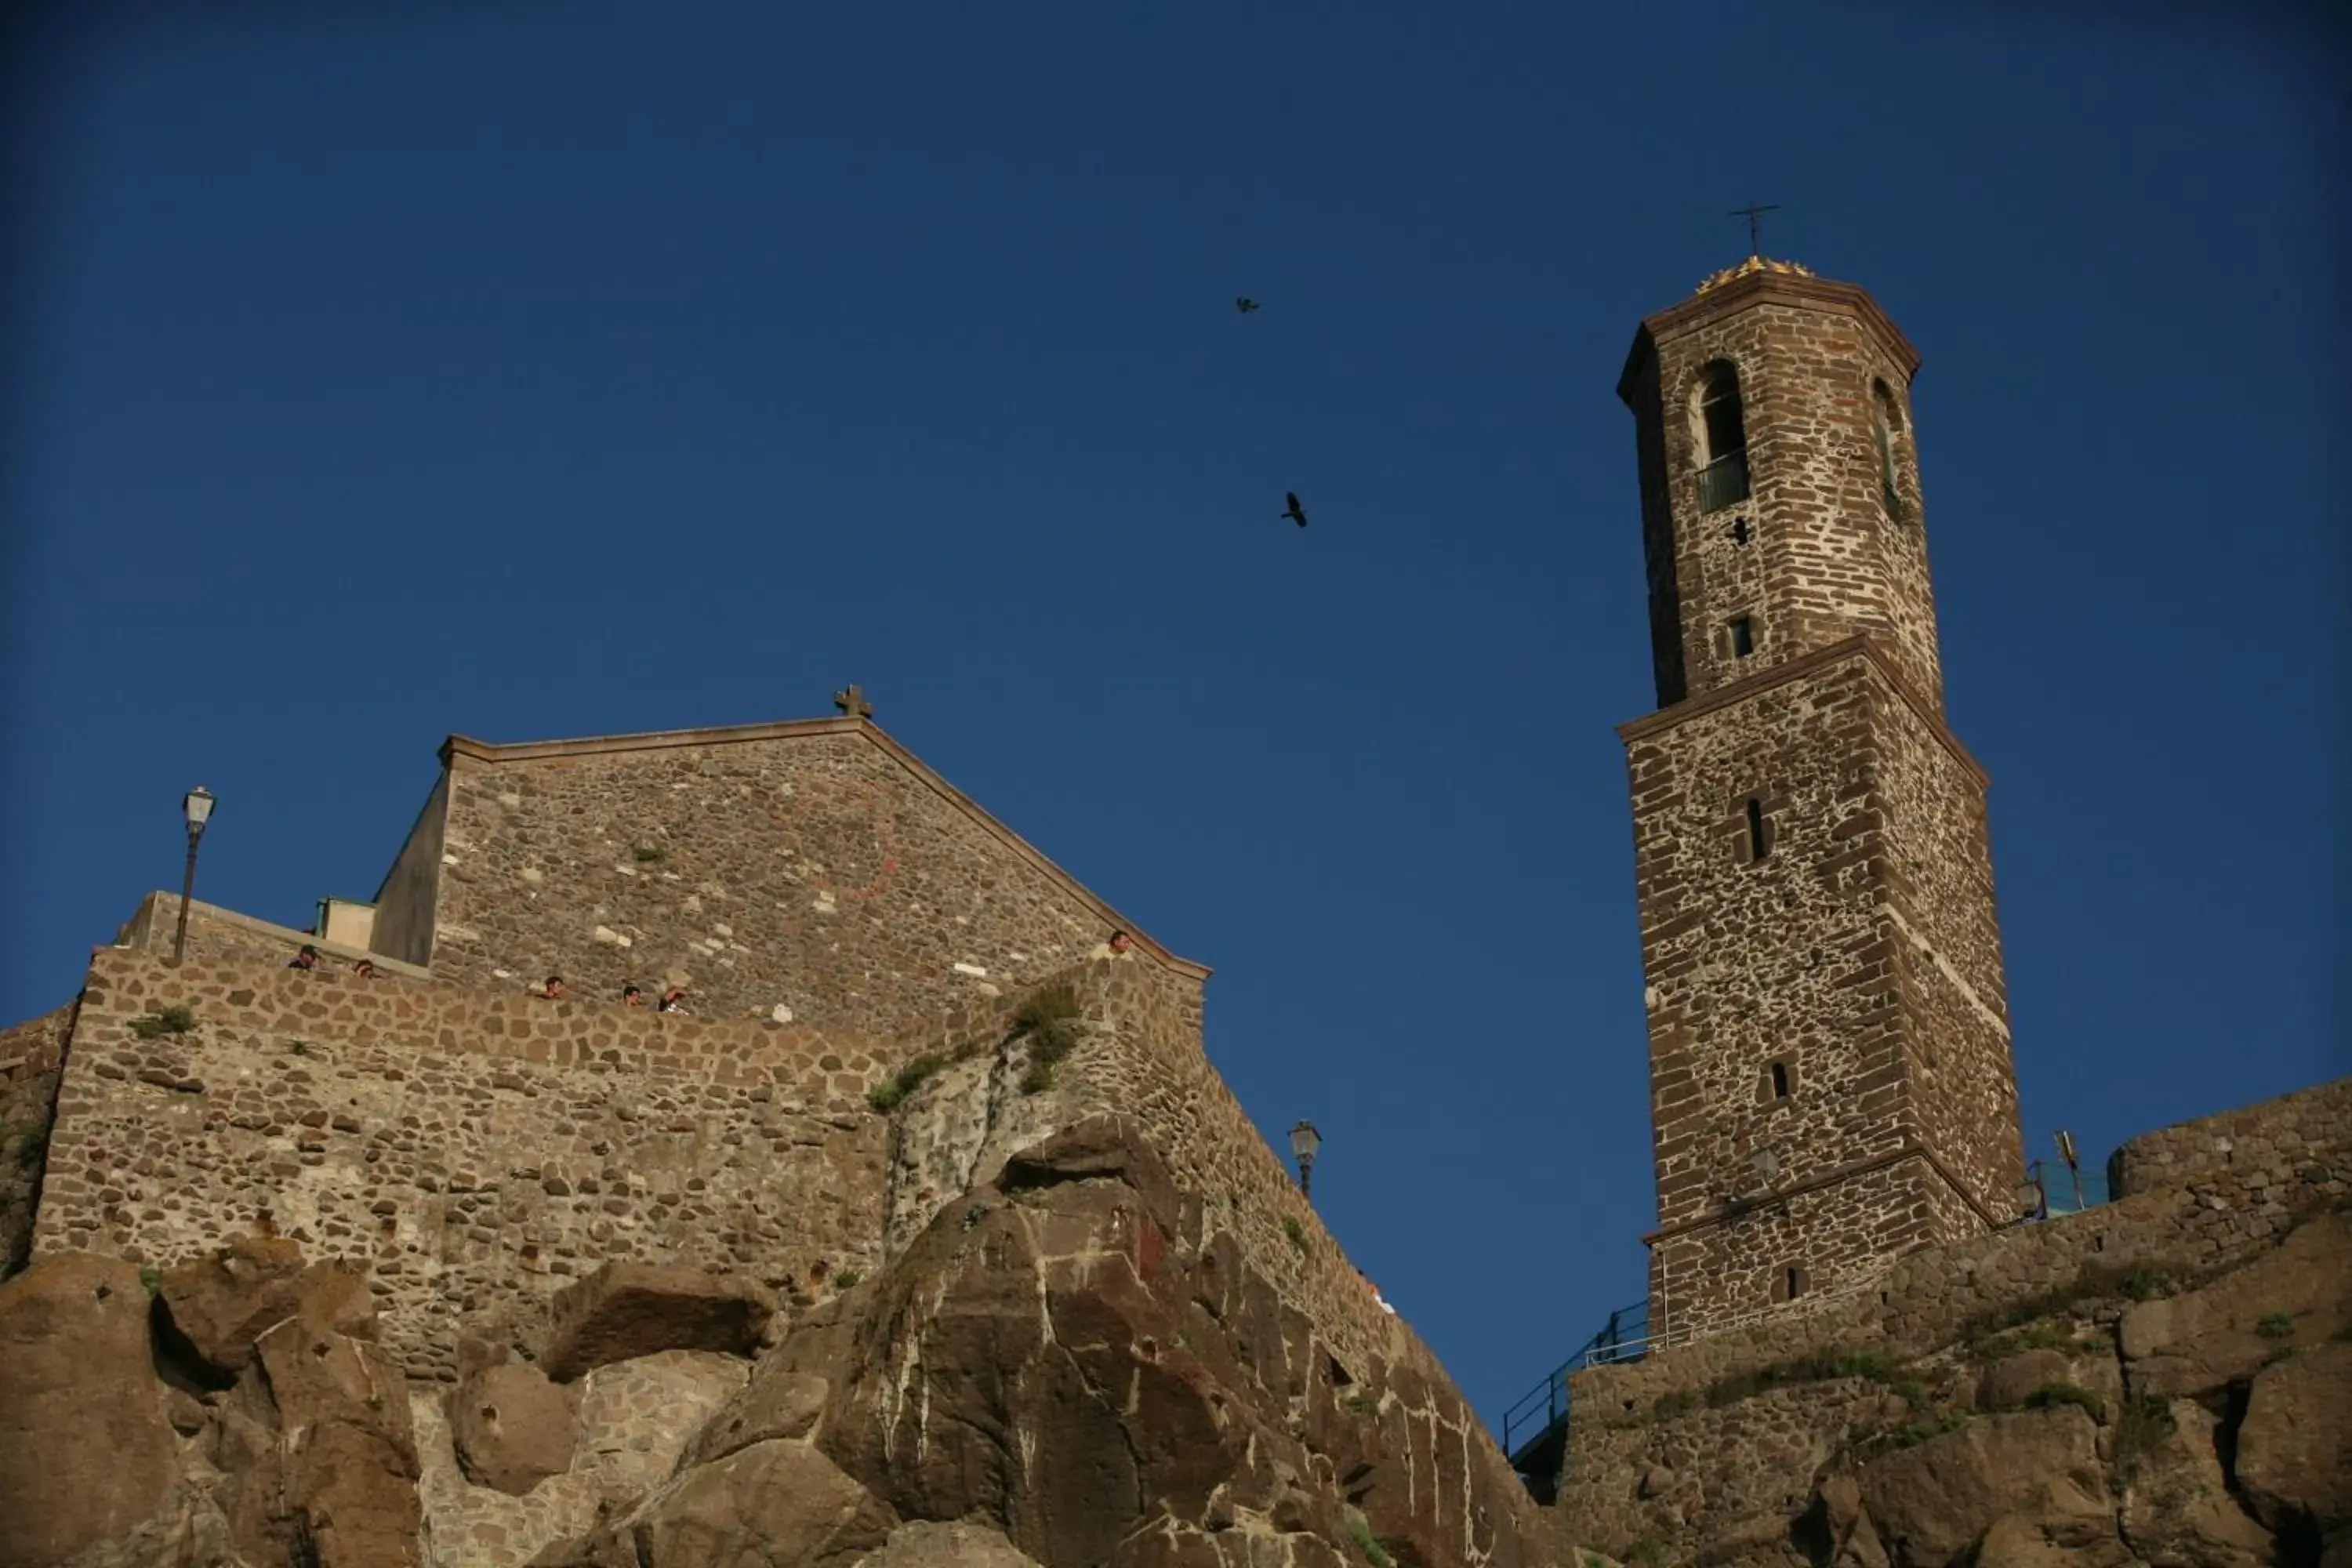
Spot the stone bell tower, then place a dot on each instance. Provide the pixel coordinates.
(1830, 1074)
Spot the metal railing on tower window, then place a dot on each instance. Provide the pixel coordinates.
(1722, 481)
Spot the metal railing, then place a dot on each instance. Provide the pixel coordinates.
(1625, 1338)
(2066, 1191)
(1529, 1421)
(1541, 1415)
(1722, 481)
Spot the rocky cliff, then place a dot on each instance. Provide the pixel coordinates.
(2165, 1381)
(1063, 1368)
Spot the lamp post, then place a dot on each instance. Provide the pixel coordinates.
(1305, 1142)
(196, 806)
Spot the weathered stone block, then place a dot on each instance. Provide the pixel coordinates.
(629, 1309)
(511, 1428)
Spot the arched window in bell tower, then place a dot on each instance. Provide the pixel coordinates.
(1885, 425)
(1721, 430)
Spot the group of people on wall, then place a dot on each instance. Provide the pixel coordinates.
(308, 960)
(672, 1000)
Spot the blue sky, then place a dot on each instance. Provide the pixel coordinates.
(533, 370)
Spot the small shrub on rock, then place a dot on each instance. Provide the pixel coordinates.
(1048, 1021)
(2051, 1395)
(1295, 1231)
(1818, 1368)
(2145, 1421)
(2276, 1325)
(173, 1020)
(1360, 1530)
(884, 1096)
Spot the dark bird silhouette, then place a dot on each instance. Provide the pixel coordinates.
(1294, 513)
(1246, 305)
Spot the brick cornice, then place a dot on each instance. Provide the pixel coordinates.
(1766, 287)
(458, 752)
(1835, 1175)
(1860, 645)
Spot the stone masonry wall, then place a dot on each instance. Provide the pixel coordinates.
(32, 1055)
(2289, 1156)
(810, 875)
(473, 1150)
(1786, 960)
(1846, 1231)
(1823, 559)
(2310, 1124)
(1948, 959)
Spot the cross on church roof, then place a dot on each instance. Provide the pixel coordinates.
(1751, 212)
(853, 702)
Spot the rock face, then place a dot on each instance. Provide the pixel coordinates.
(2140, 1421)
(305, 1458)
(2295, 1447)
(1054, 1367)
(86, 1453)
(223, 1303)
(1066, 1368)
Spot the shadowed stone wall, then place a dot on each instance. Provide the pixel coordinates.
(216, 936)
(32, 1054)
(472, 1150)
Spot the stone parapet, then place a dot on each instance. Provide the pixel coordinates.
(2307, 1123)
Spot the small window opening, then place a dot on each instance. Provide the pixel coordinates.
(1743, 637)
(1759, 839)
(1779, 1080)
(1740, 531)
(1792, 1283)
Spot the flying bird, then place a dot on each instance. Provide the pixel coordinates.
(1294, 513)
(1246, 305)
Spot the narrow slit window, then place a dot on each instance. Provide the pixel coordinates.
(1886, 421)
(1743, 637)
(1759, 839)
(1779, 1080)
(1792, 1283)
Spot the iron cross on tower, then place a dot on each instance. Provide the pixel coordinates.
(1751, 212)
(853, 702)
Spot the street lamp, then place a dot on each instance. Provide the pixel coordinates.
(1305, 1141)
(196, 806)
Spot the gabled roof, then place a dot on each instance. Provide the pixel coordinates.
(459, 748)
